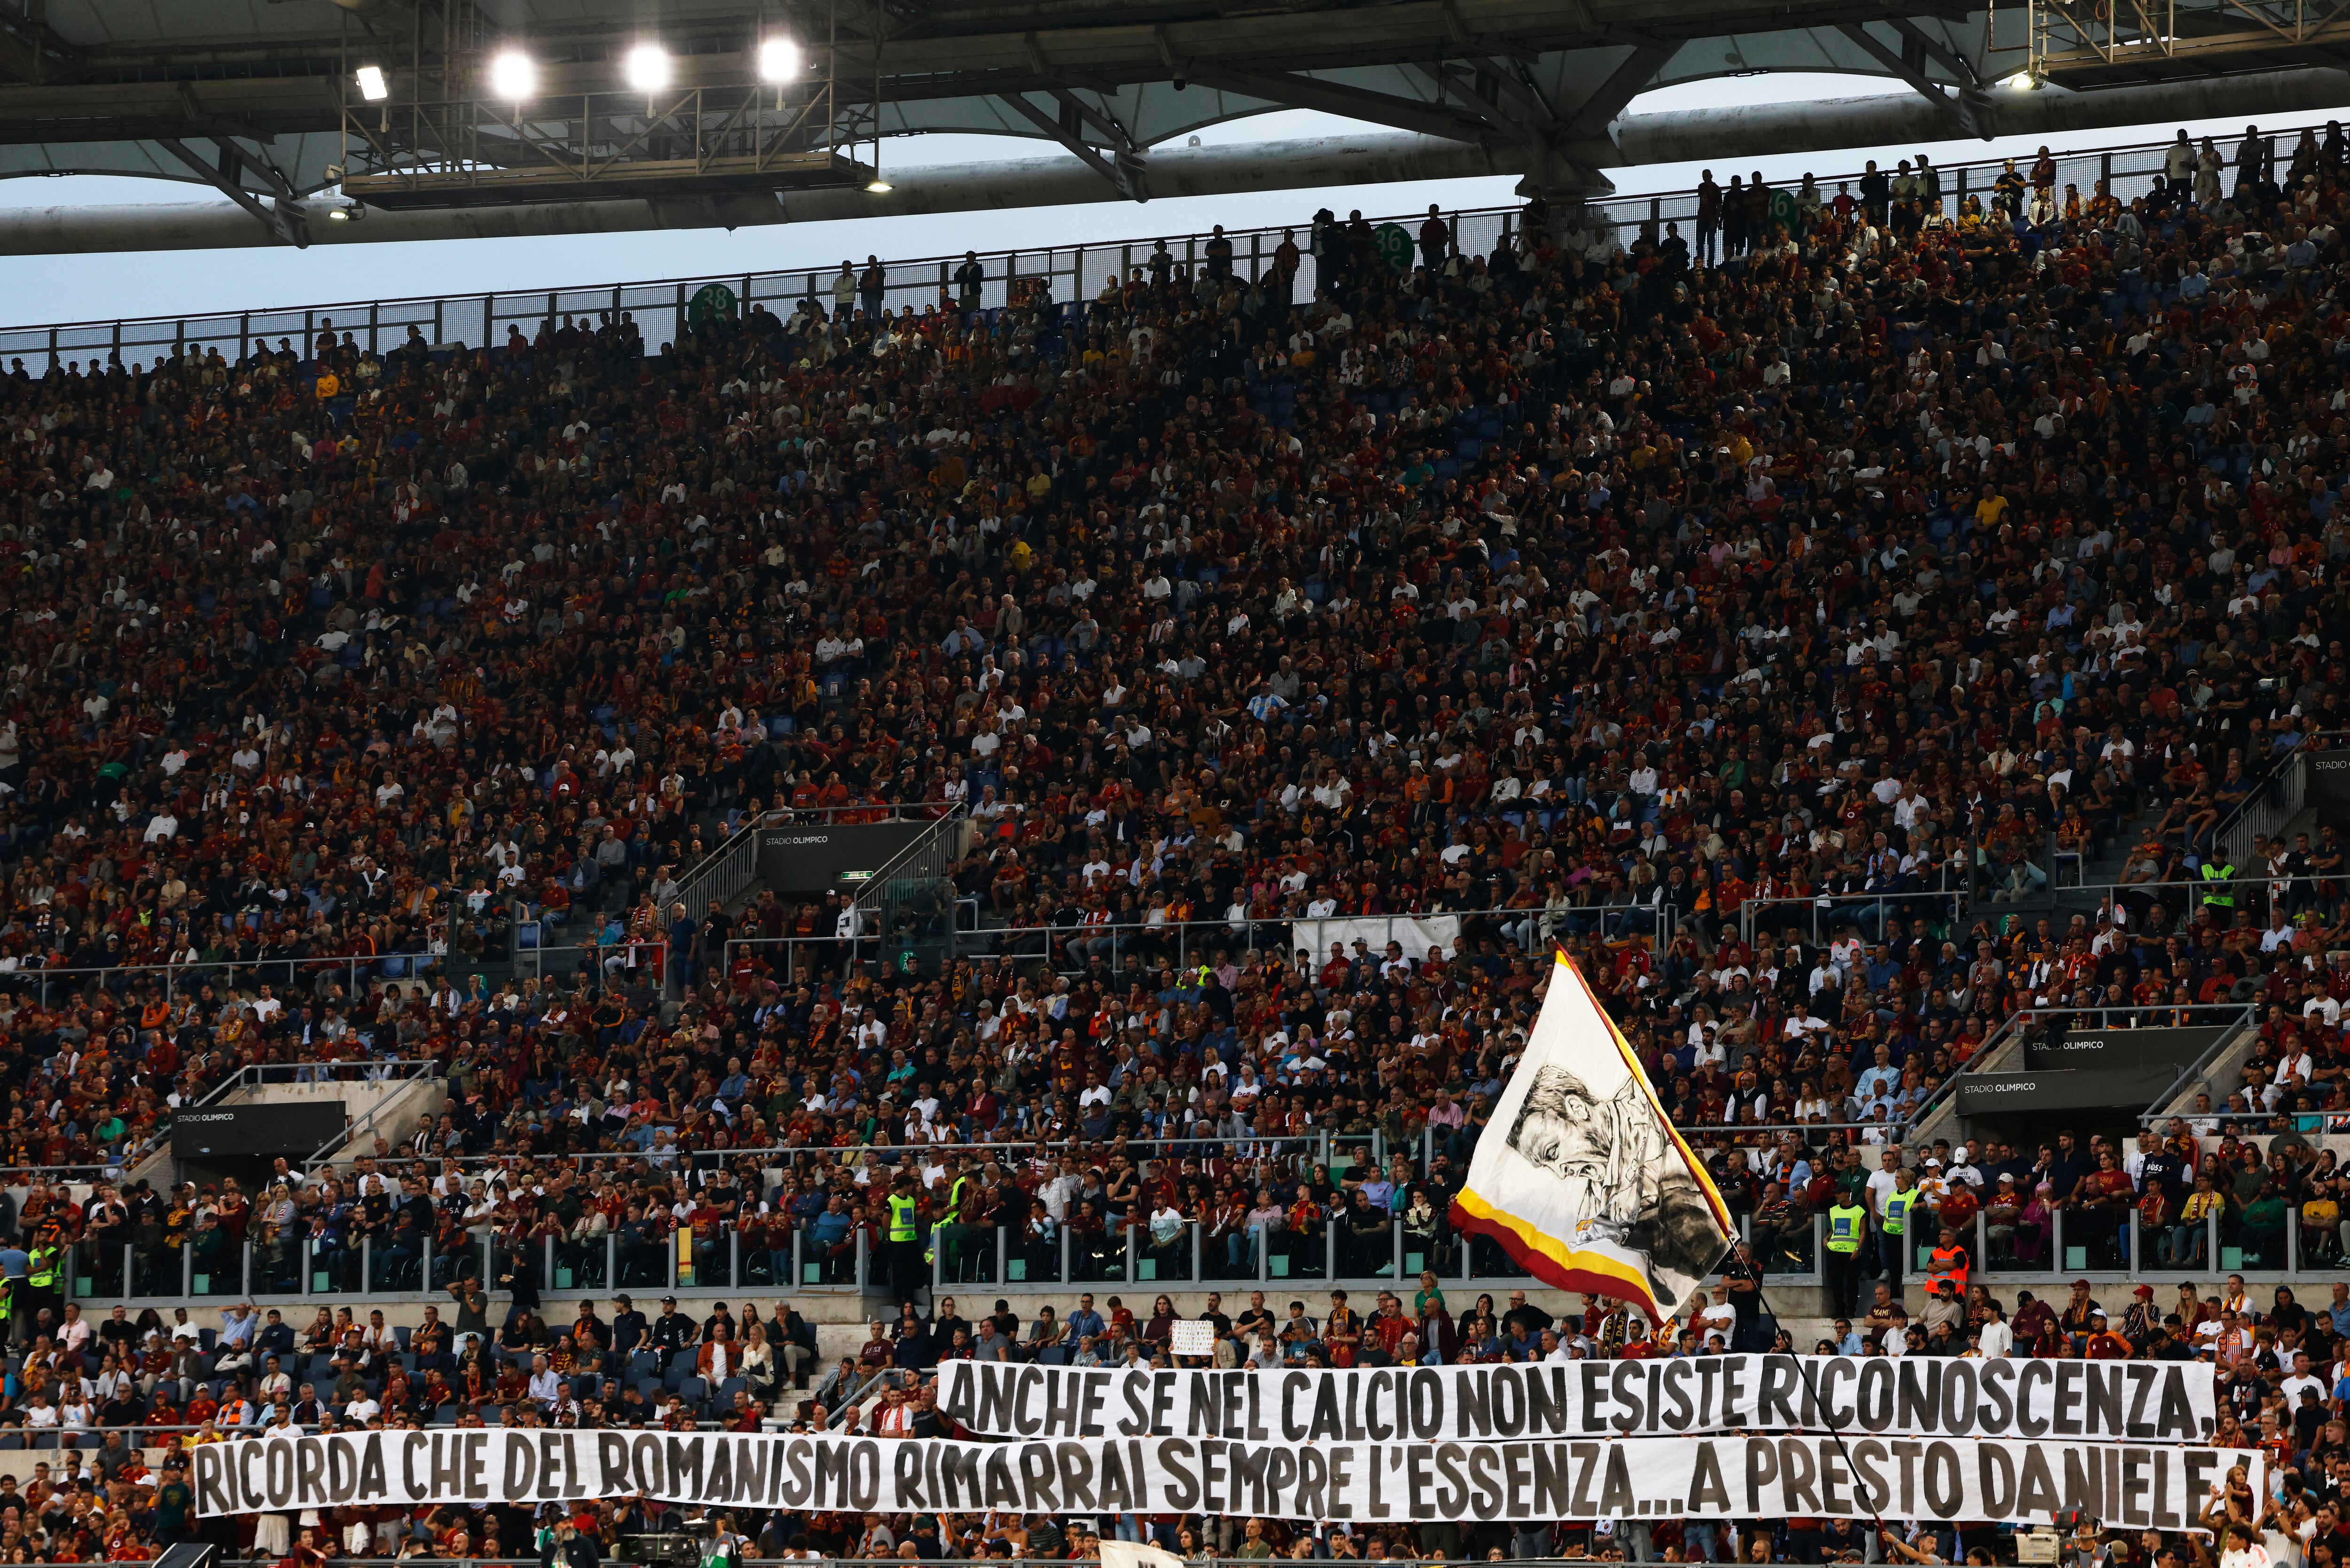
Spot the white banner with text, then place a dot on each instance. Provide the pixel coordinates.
(2142, 1401)
(2139, 1485)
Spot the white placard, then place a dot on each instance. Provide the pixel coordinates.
(1193, 1337)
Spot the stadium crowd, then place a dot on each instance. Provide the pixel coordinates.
(1909, 547)
(119, 1402)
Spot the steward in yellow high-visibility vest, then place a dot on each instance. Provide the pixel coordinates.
(1847, 1229)
(903, 1244)
(1893, 1224)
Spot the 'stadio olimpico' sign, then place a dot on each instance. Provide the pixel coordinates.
(2139, 1485)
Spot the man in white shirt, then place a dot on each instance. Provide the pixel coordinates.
(1721, 1318)
(1995, 1338)
(2302, 1379)
(1881, 1180)
(74, 1333)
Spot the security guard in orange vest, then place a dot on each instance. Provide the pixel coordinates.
(1947, 1267)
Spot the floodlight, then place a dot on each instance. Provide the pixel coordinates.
(512, 76)
(648, 67)
(779, 59)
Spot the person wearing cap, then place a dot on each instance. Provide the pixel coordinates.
(1847, 1237)
(2141, 1320)
(2103, 1344)
(2002, 1211)
(1960, 1202)
(1947, 1267)
(563, 1546)
(2078, 1320)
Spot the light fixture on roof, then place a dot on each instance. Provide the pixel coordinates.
(514, 76)
(648, 67)
(372, 86)
(878, 186)
(779, 59)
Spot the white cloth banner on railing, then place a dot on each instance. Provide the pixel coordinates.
(2140, 1401)
(1414, 934)
(2138, 1485)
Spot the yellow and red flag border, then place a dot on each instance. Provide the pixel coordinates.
(1552, 1260)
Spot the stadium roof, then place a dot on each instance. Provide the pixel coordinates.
(294, 106)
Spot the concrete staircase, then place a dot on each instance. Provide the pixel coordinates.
(389, 1111)
(389, 1108)
(2221, 1076)
(2003, 1053)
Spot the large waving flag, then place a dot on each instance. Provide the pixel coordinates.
(1580, 1176)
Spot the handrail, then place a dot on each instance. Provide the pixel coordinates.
(2016, 1022)
(2193, 1072)
(1234, 924)
(443, 318)
(249, 1076)
(2261, 812)
(1979, 907)
(1251, 934)
(848, 1155)
(350, 1135)
(206, 971)
(730, 867)
(918, 857)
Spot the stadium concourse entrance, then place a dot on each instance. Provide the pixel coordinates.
(213, 1143)
(2087, 1079)
(2028, 1131)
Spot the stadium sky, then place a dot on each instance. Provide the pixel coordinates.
(44, 289)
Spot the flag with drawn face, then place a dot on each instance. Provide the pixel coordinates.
(1581, 1176)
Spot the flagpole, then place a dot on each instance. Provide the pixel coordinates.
(1753, 1272)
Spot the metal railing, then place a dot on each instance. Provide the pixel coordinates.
(303, 1268)
(2071, 1241)
(722, 876)
(800, 1261)
(1071, 948)
(2066, 1240)
(1071, 271)
(251, 1076)
(1821, 913)
(2230, 1017)
(1335, 1150)
(927, 859)
(1868, 911)
(118, 979)
(2276, 799)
